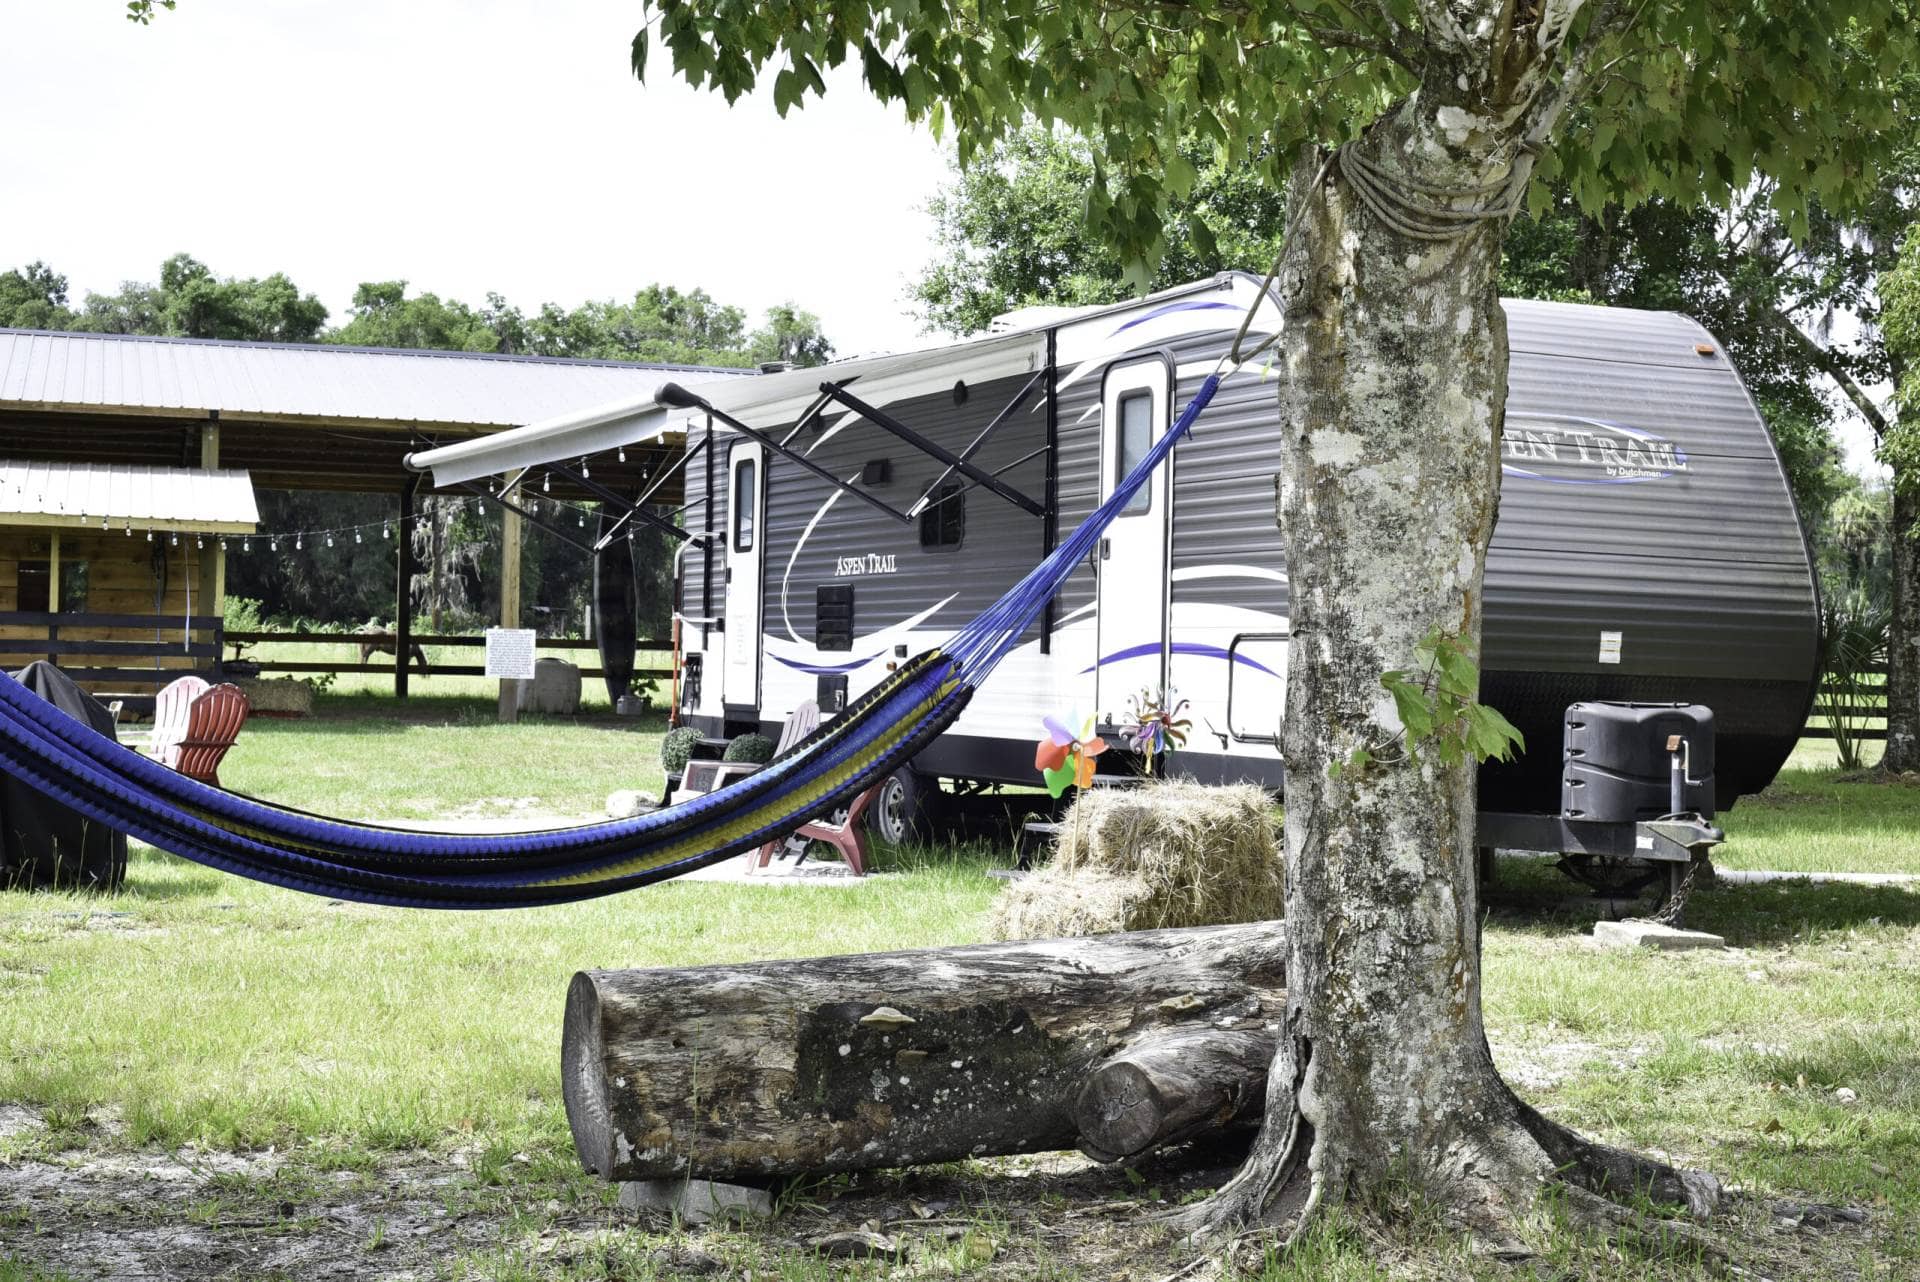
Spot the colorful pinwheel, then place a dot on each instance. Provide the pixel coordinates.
(1156, 729)
(1064, 759)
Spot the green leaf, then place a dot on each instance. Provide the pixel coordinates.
(1410, 702)
(639, 56)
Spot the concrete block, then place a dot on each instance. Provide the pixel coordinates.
(554, 690)
(695, 1201)
(1647, 934)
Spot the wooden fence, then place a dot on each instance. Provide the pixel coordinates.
(1872, 711)
(107, 649)
(554, 647)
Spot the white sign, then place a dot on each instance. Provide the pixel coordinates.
(1610, 647)
(510, 653)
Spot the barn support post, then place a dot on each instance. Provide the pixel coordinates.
(210, 589)
(403, 588)
(510, 534)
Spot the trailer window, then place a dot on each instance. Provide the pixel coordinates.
(943, 521)
(746, 502)
(1132, 441)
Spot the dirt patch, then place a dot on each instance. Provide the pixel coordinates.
(192, 1215)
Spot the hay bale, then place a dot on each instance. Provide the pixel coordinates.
(1172, 853)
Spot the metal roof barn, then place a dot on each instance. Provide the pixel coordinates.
(116, 497)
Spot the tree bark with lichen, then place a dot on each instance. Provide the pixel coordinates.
(1395, 363)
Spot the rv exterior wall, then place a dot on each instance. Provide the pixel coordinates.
(1647, 547)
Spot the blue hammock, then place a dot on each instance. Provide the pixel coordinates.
(372, 863)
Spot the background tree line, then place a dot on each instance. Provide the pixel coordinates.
(456, 540)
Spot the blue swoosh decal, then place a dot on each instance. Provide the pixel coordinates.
(1169, 308)
(824, 669)
(1198, 648)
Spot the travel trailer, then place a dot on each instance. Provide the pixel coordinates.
(846, 517)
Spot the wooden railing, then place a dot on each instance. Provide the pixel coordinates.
(59, 639)
(386, 662)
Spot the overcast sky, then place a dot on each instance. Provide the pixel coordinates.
(463, 145)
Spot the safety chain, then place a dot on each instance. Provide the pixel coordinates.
(1676, 902)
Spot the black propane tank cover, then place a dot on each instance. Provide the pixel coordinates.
(1617, 767)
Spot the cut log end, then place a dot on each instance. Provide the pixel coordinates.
(583, 1084)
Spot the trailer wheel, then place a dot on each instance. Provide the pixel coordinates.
(898, 812)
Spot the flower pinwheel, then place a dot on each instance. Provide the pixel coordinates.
(1157, 729)
(1065, 759)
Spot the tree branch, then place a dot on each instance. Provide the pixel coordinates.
(1610, 20)
(1830, 365)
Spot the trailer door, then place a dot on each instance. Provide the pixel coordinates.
(1132, 612)
(746, 491)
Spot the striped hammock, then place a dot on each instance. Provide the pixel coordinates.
(372, 863)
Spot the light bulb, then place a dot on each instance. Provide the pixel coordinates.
(149, 536)
(246, 545)
(356, 534)
(623, 453)
(176, 538)
(299, 543)
(329, 538)
(584, 474)
(386, 532)
(546, 482)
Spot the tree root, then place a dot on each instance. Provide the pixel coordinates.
(1490, 1186)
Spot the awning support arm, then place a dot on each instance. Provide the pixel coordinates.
(881, 419)
(672, 394)
(973, 446)
(633, 509)
(548, 526)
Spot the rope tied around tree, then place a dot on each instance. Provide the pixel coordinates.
(1410, 207)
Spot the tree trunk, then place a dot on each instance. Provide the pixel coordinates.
(1903, 633)
(852, 1063)
(1395, 360)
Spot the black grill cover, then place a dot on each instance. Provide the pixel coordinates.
(43, 843)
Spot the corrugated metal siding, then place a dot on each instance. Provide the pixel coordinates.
(168, 496)
(106, 372)
(1001, 541)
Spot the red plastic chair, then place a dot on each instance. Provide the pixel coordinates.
(213, 724)
(847, 836)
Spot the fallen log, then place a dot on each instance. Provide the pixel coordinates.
(1172, 1085)
(897, 1059)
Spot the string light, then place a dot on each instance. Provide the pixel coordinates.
(386, 531)
(356, 534)
(246, 545)
(149, 536)
(584, 474)
(623, 453)
(299, 543)
(176, 538)
(329, 538)
(546, 482)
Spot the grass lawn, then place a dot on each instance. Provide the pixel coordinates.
(299, 1059)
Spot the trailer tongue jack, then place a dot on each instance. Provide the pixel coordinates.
(1618, 826)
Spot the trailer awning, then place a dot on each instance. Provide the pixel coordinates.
(766, 400)
(119, 495)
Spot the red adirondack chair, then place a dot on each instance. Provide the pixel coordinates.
(213, 724)
(848, 836)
